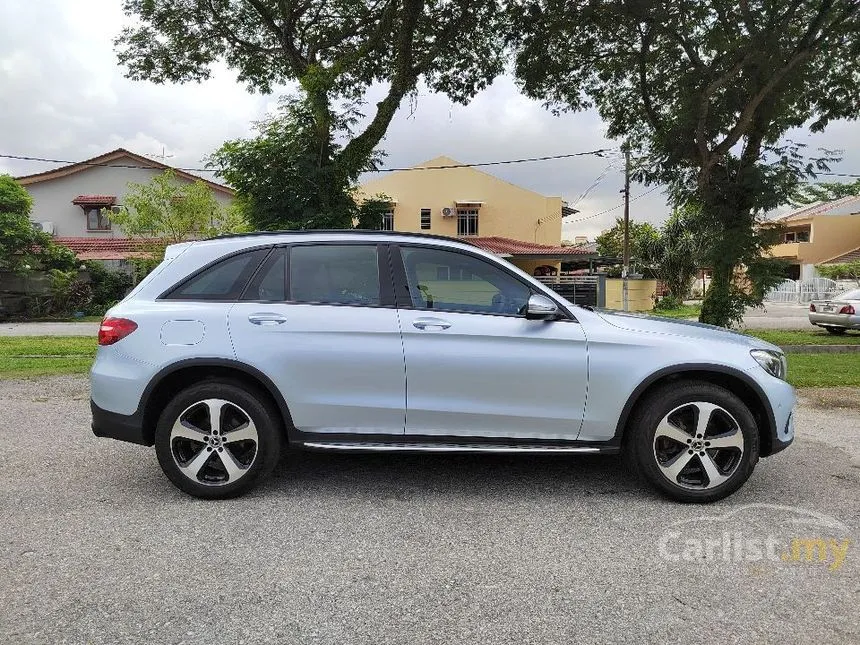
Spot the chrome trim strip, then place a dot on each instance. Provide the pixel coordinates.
(429, 447)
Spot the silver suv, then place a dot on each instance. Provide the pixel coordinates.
(237, 348)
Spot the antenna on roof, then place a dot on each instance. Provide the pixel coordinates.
(163, 155)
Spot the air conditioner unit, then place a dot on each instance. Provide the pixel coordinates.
(45, 227)
(447, 212)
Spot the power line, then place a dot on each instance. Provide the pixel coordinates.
(614, 208)
(600, 152)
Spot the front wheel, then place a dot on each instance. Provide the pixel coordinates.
(218, 439)
(694, 441)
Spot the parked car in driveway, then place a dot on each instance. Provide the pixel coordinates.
(839, 314)
(237, 348)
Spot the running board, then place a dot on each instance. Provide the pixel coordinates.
(361, 446)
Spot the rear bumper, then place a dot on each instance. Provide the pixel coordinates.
(834, 320)
(118, 426)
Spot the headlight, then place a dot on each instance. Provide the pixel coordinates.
(774, 363)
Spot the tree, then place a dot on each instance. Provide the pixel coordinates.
(610, 243)
(334, 49)
(166, 211)
(278, 176)
(824, 191)
(22, 247)
(844, 271)
(705, 90)
(674, 256)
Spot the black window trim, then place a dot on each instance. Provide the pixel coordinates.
(250, 271)
(272, 257)
(404, 299)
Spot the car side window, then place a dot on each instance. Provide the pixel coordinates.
(442, 280)
(224, 280)
(343, 274)
(269, 283)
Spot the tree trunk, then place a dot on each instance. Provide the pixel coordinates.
(717, 307)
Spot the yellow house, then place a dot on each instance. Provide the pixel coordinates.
(443, 197)
(817, 233)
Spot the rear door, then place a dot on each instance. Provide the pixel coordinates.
(319, 319)
(476, 367)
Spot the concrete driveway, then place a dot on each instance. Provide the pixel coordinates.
(97, 547)
(778, 316)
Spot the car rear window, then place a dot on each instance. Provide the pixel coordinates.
(224, 280)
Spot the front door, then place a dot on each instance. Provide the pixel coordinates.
(475, 366)
(319, 320)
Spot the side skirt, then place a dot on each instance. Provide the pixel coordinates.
(454, 445)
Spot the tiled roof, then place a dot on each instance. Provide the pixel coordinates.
(106, 248)
(95, 200)
(843, 205)
(851, 256)
(508, 246)
(118, 158)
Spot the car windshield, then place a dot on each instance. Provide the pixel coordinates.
(854, 294)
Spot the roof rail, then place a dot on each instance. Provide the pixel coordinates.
(351, 231)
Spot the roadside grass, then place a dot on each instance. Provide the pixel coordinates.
(28, 356)
(824, 370)
(684, 311)
(804, 337)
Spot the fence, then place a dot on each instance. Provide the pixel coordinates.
(802, 291)
(579, 289)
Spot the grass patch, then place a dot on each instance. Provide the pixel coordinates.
(824, 370)
(684, 311)
(27, 356)
(803, 337)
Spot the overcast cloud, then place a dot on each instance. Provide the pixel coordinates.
(63, 96)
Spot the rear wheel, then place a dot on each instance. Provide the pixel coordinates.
(218, 439)
(694, 441)
(837, 331)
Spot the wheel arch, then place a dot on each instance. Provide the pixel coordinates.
(178, 375)
(736, 381)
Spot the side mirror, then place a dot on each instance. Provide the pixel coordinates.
(541, 308)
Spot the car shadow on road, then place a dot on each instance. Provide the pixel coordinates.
(408, 476)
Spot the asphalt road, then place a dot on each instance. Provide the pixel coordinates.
(97, 547)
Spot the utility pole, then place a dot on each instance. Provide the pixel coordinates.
(625, 267)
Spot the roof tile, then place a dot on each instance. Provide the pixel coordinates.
(508, 246)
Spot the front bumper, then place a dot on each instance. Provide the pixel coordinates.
(119, 426)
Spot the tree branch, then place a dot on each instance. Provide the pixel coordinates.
(644, 89)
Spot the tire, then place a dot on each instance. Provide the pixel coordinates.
(699, 472)
(243, 451)
(836, 331)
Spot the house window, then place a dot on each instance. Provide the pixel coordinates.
(803, 236)
(425, 219)
(97, 219)
(387, 221)
(467, 221)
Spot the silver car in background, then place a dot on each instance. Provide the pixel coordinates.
(238, 348)
(837, 315)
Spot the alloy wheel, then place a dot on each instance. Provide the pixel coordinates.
(214, 442)
(698, 445)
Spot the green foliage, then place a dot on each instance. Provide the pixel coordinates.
(108, 287)
(370, 211)
(69, 293)
(167, 211)
(705, 91)
(675, 255)
(824, 191)
(22, 247)
(334, 49)
(610, 243)
(844, 271)
(308, 187)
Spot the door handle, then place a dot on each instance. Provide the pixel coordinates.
(431, 324)
(266, 319)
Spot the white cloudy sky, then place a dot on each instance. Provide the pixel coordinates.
(63, 96)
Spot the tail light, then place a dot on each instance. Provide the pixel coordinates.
(115, 329)
(847, 309)
(811, 307)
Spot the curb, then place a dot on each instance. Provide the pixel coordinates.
(820, 349)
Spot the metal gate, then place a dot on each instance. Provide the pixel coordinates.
(579, 289)
(803, 291)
